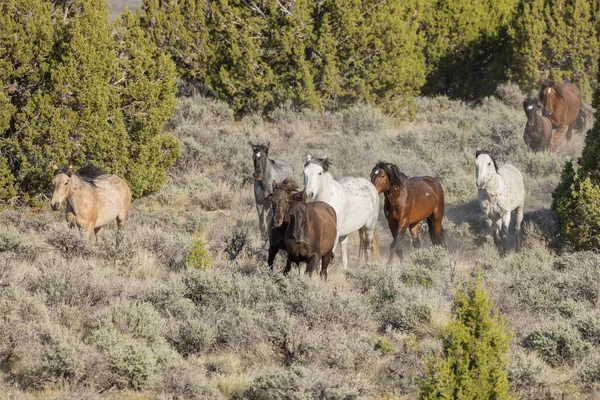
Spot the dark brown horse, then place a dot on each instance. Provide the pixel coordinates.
(562, 106)
(311, 228)
(538, 130)
(280, 199)
(408, 202)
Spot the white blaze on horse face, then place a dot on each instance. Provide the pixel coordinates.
(313, 178)
(530, 108)
(257, 155)
(484, 168)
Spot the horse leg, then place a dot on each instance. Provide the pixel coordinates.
(261, 220)
(414, 232)
(273, 250)
(557, 135)
(99, 232)
(369, 240)
(505, 221)
(495, 227)
(311, 265)
(325, 260)
(518, 227)
(569, 132)
(344, 245)
(395, 247)
(288, 265)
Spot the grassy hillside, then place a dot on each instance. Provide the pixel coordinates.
(82, 320)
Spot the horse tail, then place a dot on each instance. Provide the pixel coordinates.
(580, 123)
(362, 250)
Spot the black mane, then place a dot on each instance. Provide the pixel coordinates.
(88, 173)
(478, 152)
(395, 176)
(322, 162)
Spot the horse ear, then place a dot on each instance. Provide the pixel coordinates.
(70, 168)
(303, 194)
(274, 183)
(251, 144)
(555, 83)
(308, 157)
(477, 153)
(54, 167)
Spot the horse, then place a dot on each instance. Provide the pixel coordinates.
(311, 230)
(355, 201)
(89, 172)
(407, 203)
(562, 106)
(93, 199)
(538, 130)
(500, 191)
(265, 171)
(280, 208)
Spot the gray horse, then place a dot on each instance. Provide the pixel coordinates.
(265, 172)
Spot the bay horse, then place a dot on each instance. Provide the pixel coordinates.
(407, 203)
(355, 201)
(500, 191)
(310, 228)
(562, 106)
(265, 171)
(280, 209)
(538, 129)
(93, 199)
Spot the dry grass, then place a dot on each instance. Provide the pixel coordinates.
(126, 319)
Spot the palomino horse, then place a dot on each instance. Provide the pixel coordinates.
(538, 130)
(265, 171)
(311, 229)
(355, 201)
(408, 202)
(562, 106)
(501, 190)
(93, 201)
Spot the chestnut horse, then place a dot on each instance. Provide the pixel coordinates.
(562, 106)
(93, 200)
(538, 129)
(408, 202)
(311, 228)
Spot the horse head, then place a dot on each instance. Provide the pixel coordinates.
(314, 172)
(298, 211)
(380, 178)
(485, 168)
(260, 155)
(62, 187)
(531, 106)
(281, 199)
(548, 96)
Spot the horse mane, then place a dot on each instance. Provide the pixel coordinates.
(89, 174)
(396, 177)
(479, 152)
(322, 162)
(288, 185)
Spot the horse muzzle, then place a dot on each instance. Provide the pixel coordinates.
(55, 206)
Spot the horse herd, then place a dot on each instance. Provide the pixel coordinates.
(560, 106)
(310, 223)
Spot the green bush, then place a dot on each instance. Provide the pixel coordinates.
(474, 361)
(77, 89)
(557, 344)
(198, 257)
(130, 361)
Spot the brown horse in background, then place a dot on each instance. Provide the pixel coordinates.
(561, 104)
(311, 228)
(408, 202)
